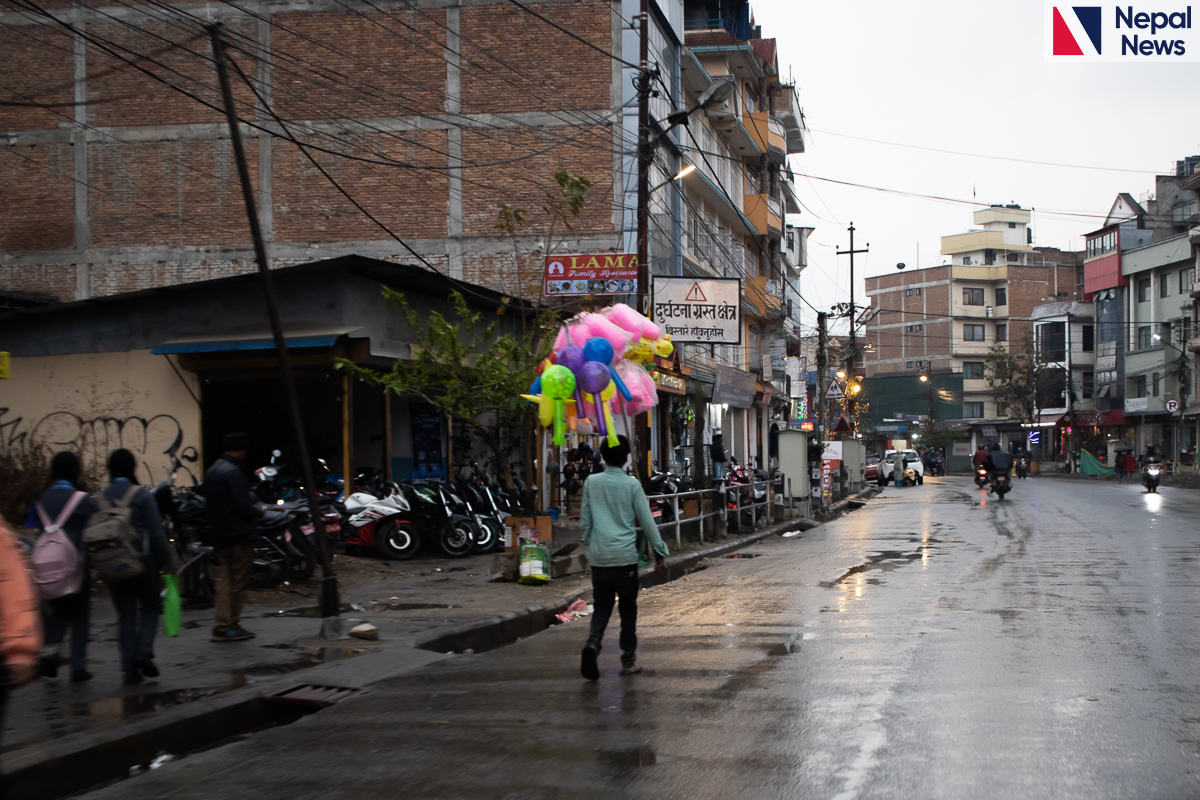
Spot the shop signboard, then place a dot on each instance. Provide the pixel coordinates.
(669, 383)
(590, 273)
(704, 310)
(1136, 404)
(734, 387)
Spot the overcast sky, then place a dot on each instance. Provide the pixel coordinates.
(966, 76)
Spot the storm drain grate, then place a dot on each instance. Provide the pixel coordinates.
(312, 696)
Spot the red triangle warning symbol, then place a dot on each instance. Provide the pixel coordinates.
(695, 295)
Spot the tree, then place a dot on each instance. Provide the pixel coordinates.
(465, 370)
(1024, 381)
(561, 206)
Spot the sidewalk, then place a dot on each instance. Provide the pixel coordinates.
(425, 609)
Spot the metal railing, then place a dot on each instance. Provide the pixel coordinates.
(723, 511)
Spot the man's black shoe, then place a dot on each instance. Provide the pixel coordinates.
(587, 663)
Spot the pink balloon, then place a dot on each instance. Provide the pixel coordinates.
(596, 325)
(626, 318)
(561, 339)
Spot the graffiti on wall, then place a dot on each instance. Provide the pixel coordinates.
(157, 440)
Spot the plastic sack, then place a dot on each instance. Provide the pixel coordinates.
(535, 564)
(172, 607)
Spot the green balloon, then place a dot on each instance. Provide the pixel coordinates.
(558, 383)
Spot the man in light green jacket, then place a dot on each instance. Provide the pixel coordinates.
(613, 505)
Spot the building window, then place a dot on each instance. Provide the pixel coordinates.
(1106, 376)
(1089, 339)
(751, 99)
(1143, 287)
(908, 292)
(909, 365)
(1144, 339)
(972, 410)
(1154, 385)
(972, 333)
(917, 291)
(1186, 278)
(1139, 386)
(1102, 245)
(1014, 258)
(972, 297)
(1002, 297)
(908, 328)
(966, 261)
(1012, 225)
(916, 327)
(973, 370)
(989, 257)
(920, 364)
(1002, 332)
(1088, 385)
(1164, 285)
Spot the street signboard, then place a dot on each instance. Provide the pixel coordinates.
(1172, 406)
(834, 392)
(595, 273)
(707, 310)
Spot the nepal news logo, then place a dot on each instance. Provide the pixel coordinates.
(1119, 33)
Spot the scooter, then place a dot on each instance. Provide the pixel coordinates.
(1151, 476)
(432, 512)
(1001, 483)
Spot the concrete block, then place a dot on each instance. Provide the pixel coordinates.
(568, 565)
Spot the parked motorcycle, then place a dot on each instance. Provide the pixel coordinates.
(1151, 475)
(380, 524)
(432, 513)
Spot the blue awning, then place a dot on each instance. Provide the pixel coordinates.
(230, 345)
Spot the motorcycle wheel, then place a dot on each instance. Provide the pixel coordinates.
(304, 565)
(489, 534)
(397, 542)
(458, 538)
(272, 565)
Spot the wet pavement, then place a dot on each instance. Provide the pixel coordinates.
(936, 644)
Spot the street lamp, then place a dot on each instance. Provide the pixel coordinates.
(683, 173)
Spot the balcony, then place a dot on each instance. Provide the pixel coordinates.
(764, 295)
(764, 214)
(768, 134)
(1194, 232)
(1193, 344)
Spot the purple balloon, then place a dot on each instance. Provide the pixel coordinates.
(572, 358)
(594, 377)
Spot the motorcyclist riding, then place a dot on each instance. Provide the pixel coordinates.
(997, 461)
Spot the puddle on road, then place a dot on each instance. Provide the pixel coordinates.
(883, 560)
(65, 714)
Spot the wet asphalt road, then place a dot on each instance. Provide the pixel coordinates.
(937, 644)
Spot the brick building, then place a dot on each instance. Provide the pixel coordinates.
(948, 318)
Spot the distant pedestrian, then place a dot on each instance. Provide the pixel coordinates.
(138, 600)
(717, 452)
(1131, 465)
(20, 628)
(613, 505)
(231, 521)
(70, 610)
(1119, 466)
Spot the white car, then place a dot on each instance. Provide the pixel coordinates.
(886, 465)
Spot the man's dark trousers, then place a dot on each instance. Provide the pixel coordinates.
(615, 585)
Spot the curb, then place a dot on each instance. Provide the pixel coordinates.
(508, 627)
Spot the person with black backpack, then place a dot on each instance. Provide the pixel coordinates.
(70, 608)
(138, 599)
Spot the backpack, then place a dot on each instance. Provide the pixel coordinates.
(111, 540)
(57, 564)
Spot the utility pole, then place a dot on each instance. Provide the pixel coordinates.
(1070, 397)
(330, 607)
(853, 338)
(645, 157)
(822, 376)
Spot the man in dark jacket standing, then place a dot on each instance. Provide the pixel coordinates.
(231, 516)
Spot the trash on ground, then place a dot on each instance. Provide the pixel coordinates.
(535, 564)
(578, 609)
(792, 534)
(365, 631)
(163, 758)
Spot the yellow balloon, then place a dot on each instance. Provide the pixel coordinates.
(607, 395)
(545, 408)
(663, 348)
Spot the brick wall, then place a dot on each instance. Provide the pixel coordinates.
(165, 205)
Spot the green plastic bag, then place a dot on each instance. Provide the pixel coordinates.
(535, 564)
(172, 607)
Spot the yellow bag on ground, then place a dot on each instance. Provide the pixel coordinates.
(535, 564)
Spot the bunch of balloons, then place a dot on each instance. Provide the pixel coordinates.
(596, 369)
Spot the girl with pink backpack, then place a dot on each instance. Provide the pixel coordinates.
(63, 511)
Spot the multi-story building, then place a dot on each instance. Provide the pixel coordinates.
(950, 317)
(1064, 334)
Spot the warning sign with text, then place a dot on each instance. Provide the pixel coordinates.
(699, 309)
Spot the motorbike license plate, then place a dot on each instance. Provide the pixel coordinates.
(311, 528)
